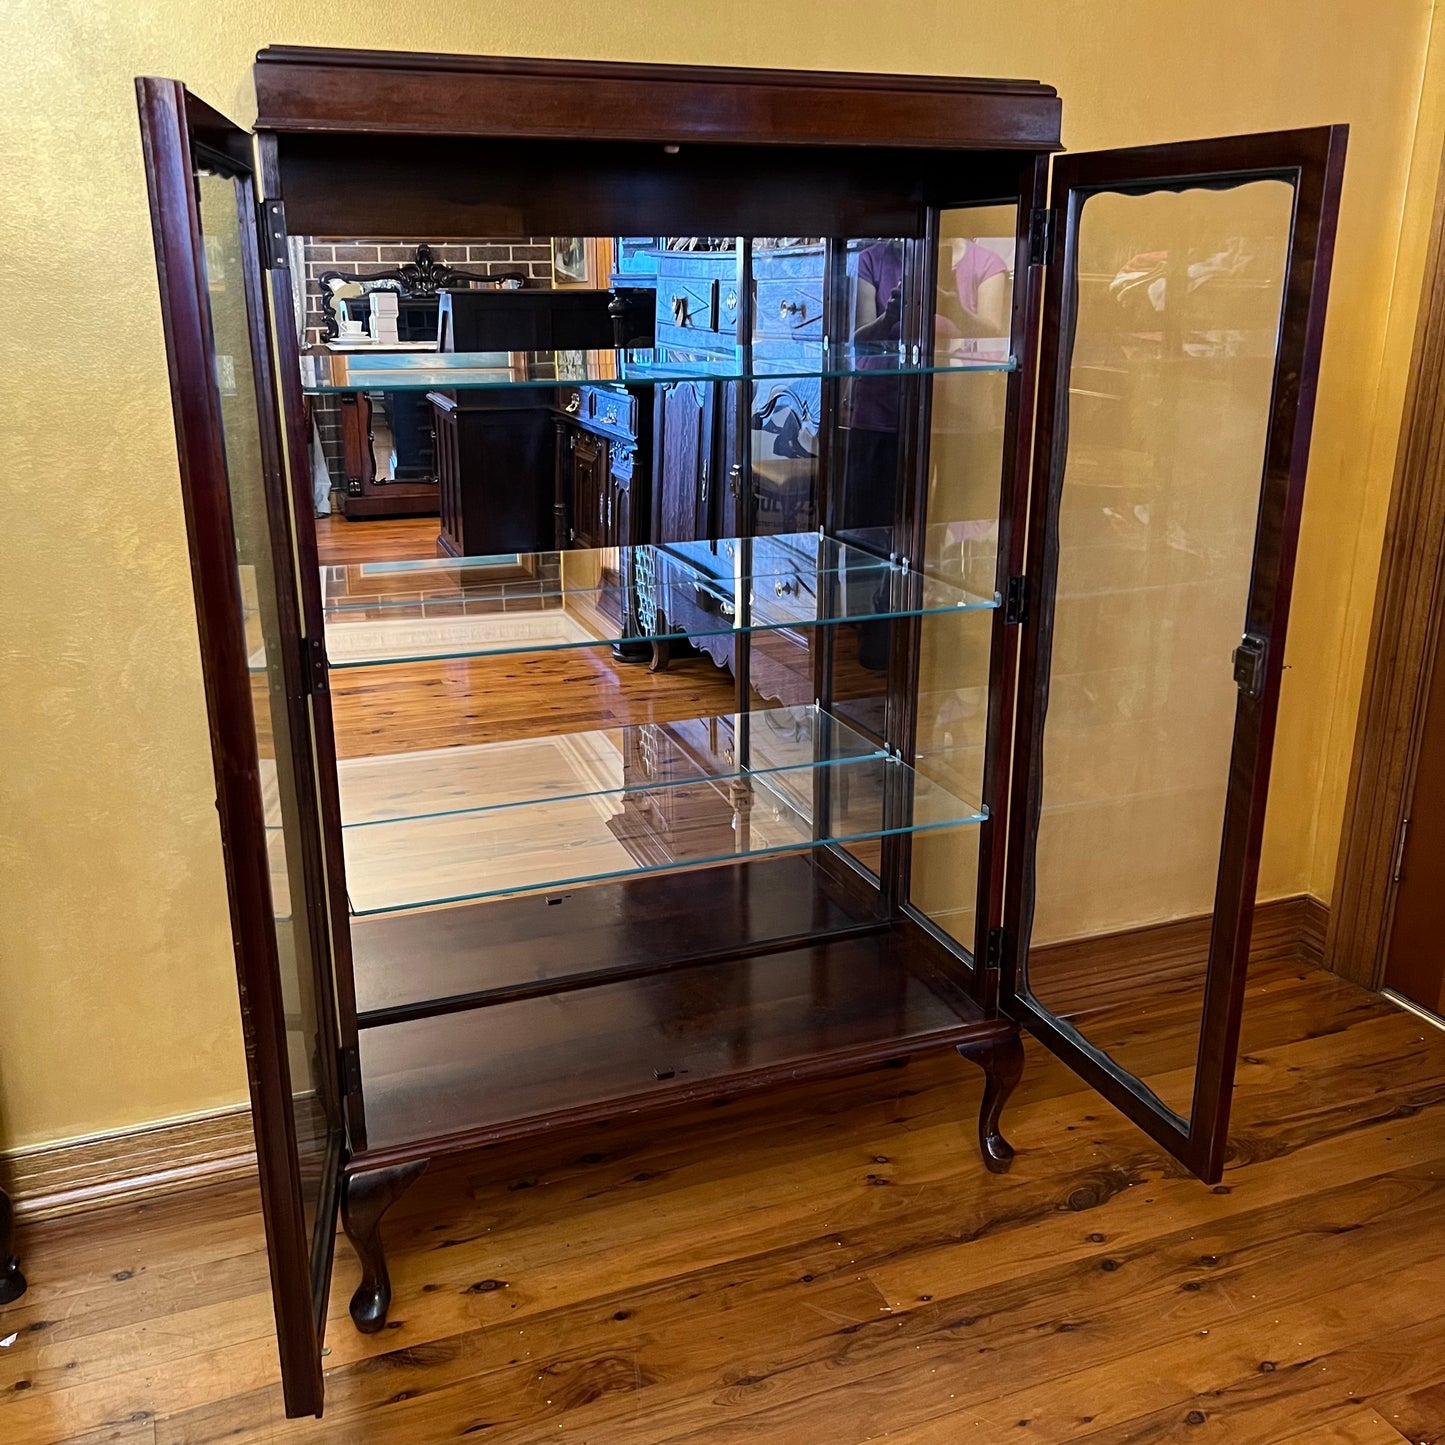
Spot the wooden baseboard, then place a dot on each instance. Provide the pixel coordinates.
(1291, 928)
(131, 1165)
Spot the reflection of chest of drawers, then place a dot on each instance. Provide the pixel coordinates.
(665, 820)
(603, 477)
(697, 588)
(697, 298)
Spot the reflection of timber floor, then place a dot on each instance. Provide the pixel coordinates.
(826, 1262)
(494, 699)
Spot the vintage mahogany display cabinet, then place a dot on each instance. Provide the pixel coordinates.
(991, 463)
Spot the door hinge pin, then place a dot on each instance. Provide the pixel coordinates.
(350, 1062)
(1041, 236)
(1016, 601)
(314, 667)
(993, 955)
(272, 225)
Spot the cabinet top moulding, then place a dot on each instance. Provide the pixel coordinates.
(304, 88)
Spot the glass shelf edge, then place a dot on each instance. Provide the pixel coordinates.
(870, 836)
(483, 371)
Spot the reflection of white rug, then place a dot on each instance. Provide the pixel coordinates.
(376, 641)
(463, 822)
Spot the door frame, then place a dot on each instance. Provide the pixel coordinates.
(1404, 650)
(1311, 160)
(176, 129)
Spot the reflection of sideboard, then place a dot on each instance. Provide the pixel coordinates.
(399, 422)
(12, 1282)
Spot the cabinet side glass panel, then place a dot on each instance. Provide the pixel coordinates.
(864, 479)
(965, 477)
(256, 569)
(1179, 296)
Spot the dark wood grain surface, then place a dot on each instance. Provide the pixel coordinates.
(299, 89)
(826, 1262)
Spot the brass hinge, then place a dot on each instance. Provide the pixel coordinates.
(271, 222)
(1041, 236)
(1016, 601)
(349, 1062)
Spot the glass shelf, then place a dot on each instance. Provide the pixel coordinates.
(323, 372)
(385, 612)
(494, 777)
(455, 825)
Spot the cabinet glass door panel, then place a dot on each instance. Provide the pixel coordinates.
(1173, 436)
(204, 212)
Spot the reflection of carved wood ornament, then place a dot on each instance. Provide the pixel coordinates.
(418, 279)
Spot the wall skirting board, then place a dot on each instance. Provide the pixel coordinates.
(132, 1165)
(127, 1166)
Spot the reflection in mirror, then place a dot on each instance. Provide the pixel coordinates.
(965, 479)
(1169, 389)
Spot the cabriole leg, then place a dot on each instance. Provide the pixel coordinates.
(1002, 1061)
(12, 1282)
(364, 1199)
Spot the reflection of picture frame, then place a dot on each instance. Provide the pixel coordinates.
(574, 261)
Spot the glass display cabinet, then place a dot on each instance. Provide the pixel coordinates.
(899, 661)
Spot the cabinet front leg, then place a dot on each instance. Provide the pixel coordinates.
(364, 1199)
(1002, 1062)
(661, 655)
(12, 1282)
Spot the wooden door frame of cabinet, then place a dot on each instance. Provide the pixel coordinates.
(1404, 637)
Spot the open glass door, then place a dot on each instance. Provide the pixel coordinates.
(239, 523)
(1184, 307)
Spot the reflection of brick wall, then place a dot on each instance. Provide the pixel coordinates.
(532, 257)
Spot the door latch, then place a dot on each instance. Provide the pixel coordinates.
(1249, 659)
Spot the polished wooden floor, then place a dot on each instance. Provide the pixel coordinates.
(828, 1263)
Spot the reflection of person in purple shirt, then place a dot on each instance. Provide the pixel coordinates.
(976, 305)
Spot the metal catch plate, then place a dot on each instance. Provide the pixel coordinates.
(1249, 659)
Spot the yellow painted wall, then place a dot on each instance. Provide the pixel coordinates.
(117, 1000)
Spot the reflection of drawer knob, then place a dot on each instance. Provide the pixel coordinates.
(679, 310)
(784, 589)
(793, 308)
(731, 301)
(735, 477)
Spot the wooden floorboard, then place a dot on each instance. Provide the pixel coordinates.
(827, 1263)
